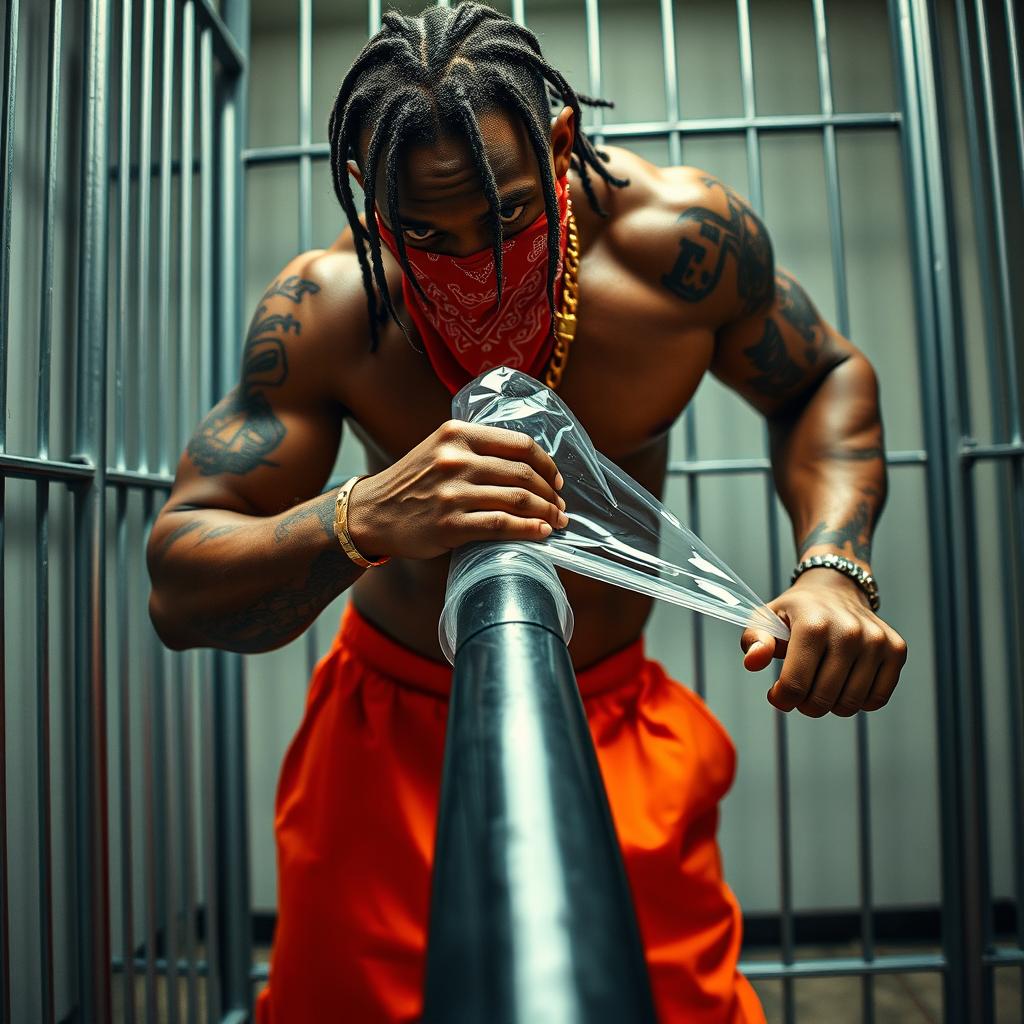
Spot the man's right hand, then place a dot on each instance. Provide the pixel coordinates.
(465, 482)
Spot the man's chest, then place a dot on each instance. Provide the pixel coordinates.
(631, 371)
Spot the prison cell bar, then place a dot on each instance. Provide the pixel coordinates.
(7, 141)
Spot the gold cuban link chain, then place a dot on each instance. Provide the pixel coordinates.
(565, 318)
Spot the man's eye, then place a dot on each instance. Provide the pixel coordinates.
(510, 214)
(418, 234)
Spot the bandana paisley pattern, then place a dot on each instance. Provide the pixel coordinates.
(464, 332)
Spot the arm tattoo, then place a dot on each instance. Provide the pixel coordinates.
(798, 310)
(741, 234)
(293, 288)
(241, 430)
(284, 613)
(855, 533)
(778, 374)
(207, 532)
(322, 508)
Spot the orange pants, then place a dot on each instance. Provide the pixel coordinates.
(356, 813)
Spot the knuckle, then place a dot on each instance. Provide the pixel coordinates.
(845, 709)
(817, 705)
(520, 499)
(449, 458)
(874, 637)
(522, 471)
(875, 703)
(496, 522)
(791, 690)
(899, 648)
(451, 429)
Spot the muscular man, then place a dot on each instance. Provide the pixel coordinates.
(470, 182)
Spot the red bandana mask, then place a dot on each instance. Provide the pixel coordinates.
(462, 331)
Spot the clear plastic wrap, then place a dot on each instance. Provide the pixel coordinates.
(618, 531)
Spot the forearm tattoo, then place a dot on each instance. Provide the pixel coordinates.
(699, 265)
(322, 509)
(284, 612)
(198, 526)
(853, 536)
(241, 430)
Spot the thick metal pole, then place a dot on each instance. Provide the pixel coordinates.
(531, 917)
(93, 929)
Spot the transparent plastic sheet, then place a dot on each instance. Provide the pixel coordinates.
(617, 532)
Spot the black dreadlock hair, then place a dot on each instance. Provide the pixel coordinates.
(419, 77)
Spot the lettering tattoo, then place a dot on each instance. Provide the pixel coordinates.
(241, 431)
(854, 534)
(699, 265)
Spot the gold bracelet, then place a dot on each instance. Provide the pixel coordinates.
(341, 525)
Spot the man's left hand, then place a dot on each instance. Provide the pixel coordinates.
(840, 656)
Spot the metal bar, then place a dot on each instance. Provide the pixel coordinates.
(167, 882)
(149, 801)
(720, 467)
(5, 959)
(121, 327)
(144, 375)
(42, 545)
(121, 965)
(162, 333)
(642, 129)
(49, 200)
(988, 210)
(373, 17)
(228, 721)
(124, 613)
(668, 57)
(963, 862)
(757, 970)
(44, 834)
(206, 348)
(229, 53)
(10, 94)
(186, 341)
(142, 481)
(972, 452)
(835, 217)
(1000, 242)
(306, 194)
(90, 749)
(594, 65)
(518, 12)
(756, 192)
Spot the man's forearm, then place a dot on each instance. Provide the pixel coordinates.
(244, 583)
(828, 461)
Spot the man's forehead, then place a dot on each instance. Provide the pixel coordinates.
(445, 169)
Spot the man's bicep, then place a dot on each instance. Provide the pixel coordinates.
(775, 356)
(271, 441)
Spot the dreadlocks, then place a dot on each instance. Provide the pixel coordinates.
(419, 77)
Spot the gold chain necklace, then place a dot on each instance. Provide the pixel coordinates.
(565, 318)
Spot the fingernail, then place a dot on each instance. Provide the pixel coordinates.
(563, 520)
(559, 481)
(561, 502)
(545, 528)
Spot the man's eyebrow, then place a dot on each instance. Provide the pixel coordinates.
(512, 197)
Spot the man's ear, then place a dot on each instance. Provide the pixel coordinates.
(563, 135)
(353, 169)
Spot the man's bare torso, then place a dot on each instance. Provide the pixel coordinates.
(633, 368)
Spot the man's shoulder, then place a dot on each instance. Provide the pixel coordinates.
(684, 229)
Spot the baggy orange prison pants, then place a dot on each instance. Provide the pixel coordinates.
(356, 813)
